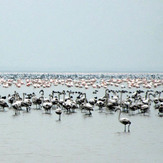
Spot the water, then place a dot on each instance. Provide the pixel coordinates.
(38, 137)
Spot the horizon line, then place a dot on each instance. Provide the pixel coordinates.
(104, 71)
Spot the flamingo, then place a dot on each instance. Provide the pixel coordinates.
(80, 99)
(93, 101)
(26, 102)
(67, 105)
(54, 100)
(59, 112)
(86, 106)
(111, 103)
(36, 101)
(70, 102)
(100, 103)
(3, 104)
(124, 121)
(160, 109)
(47, 105)
(17, 106)
(11, 99)
(159, 106)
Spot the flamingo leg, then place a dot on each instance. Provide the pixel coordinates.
(125, 128)
(59, 117)
(129, 128)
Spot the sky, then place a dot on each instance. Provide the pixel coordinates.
(81, 35)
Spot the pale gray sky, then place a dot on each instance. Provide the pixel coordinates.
(81, 35)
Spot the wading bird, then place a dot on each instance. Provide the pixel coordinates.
(124, 121)
(59, 112)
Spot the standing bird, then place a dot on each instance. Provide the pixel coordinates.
(26, 102)
(59, 112)
(36, 101)
(3, 104)
(17, 107)
(124, 121)
(47, 105)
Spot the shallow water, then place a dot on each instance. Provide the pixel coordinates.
(39, 137)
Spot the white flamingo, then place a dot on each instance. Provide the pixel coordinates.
(3, 104)
(47, 105)
(124, 121)
(59, 112)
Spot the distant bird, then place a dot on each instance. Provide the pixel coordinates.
(124, 121)
(54, 100)
(160, 108)
(59, 112)
(88, 107)
(11, 99)
(93, 101)
(100, 103)
(26, 102)
(47, 105)
(36, 101)
(3, 104)
(17, 107)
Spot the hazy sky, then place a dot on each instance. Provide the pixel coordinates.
(81, 35)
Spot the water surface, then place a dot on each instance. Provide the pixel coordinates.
(39, 137)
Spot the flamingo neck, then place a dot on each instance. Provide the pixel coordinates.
(107, 98)
(64, 97)
(146, 95)
(58, 96)
(85, 98)
(121, 99)
(119, 115)
(52, 94)
(23, 96)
